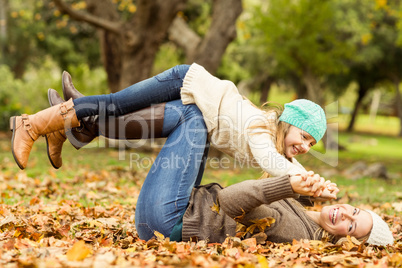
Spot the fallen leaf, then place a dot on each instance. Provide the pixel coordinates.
(241, 217)
(215, 208)
(261, 224)
(78, 252)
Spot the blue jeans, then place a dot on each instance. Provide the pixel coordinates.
(163, 87)
(179, 166)
(177, 169)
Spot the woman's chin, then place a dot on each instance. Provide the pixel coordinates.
(290, 154)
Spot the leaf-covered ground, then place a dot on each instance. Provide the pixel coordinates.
(82, 221)
(82, 215)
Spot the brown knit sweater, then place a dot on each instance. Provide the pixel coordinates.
(255, 199)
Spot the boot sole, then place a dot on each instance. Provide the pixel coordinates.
(13, 123)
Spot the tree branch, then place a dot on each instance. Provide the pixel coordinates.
(93, 20)
(221, 32)
(183, 36)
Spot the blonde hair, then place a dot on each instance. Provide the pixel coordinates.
(277, 129)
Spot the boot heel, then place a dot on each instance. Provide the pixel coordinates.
(12, 122)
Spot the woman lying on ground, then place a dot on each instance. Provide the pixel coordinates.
(235, 126)
(257, 202)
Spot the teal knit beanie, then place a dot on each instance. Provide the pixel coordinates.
(307, 116)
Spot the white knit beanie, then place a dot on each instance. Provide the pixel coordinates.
(380, 234)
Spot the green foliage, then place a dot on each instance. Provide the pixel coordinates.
(35, 29)
(231, 67)
(68, 42)
(88, 81)
(23, 30)
(198, 14)
(373, 31)
(29, 94)
(8, 104)
(167, 57)
(302, 34)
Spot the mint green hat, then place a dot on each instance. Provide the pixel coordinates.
(307, 116)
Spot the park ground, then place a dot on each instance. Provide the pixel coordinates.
(82, 215)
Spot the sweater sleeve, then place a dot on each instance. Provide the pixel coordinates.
(242, 198)
(265, 154)
(297, 163)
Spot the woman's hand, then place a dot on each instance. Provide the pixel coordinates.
(330, 191)
(310, 186)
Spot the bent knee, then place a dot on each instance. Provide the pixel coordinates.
(193, 110)
(182, 70)
(195, 114)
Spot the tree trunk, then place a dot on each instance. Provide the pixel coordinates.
(300, 87)
(265, 88)
(313, 85)
(208, 51)
(221, 32)
(128, 48)
(143, 41)
(361, 94)
(398, 103)
(128, 57)
(110, 42)
(3, 25)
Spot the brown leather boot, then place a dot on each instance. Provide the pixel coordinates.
(55, 140)
(143, 124)
(27, 128)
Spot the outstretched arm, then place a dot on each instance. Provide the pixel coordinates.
(243, 198)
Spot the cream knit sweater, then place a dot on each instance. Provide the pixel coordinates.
(228, 117)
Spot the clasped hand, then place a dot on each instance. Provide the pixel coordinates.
(311, 184)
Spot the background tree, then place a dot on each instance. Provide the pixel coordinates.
(36, 31)
(130, 41)
(207, 47)
(372, 27)
(302, 38)
(386, 34)
(3, 24)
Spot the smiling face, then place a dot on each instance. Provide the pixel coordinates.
(343, 220)
(297, 142)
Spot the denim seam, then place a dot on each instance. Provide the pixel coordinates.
(185, 172)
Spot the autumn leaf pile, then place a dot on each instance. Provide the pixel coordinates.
(88, 221)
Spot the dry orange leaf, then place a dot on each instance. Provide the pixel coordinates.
(249, 242)
(215, 208)
(239, 218)
(78, 252)
(261, 224)
(159, 236)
